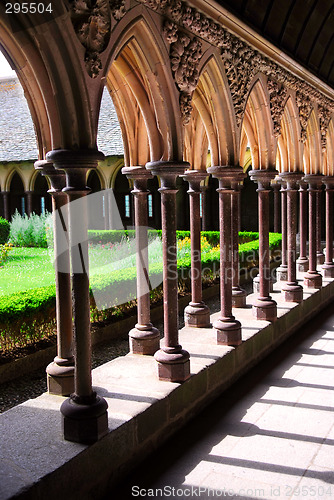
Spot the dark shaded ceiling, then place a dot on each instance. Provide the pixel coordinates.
(303, 29)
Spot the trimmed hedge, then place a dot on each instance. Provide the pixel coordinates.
(21, 310)
(4, 230)
(116, 236)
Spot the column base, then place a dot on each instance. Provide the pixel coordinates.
(312, 279)
(282, 273)
(302, 264)
(238, 297)
(320, 258)
(228, 331)
(292, 292)
(173, 364)
(144, 339)
(265, 308)
(328, 270)
(84, 422)
(60, 377)
(256, 284)
(197, 315)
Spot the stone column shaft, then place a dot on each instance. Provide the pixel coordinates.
(196, 314)
(6, 204)
(264, 307)
(277, 225)
(227, 328)
(28, 199)
(85, 417)
(292, 291)
(173, 361)
(144, 338)
(302, 261)
(320, 255)
(328, 267)
(312, 279)
(238, 294)
(60, 373)
(282, 270)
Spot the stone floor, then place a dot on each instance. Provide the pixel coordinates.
(269, 436)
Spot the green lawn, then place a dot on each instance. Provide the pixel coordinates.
(26, 268)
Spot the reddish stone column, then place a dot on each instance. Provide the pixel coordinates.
(173, 362)
(28, 200)
(302, 261)
(227, 328)
(276, 188)
(205, 222)
(320, 254)
(144, 338)
(264, 307)
(282, 270)
(238, 294)
(85, 417)
(293, 292)
(60, 373)
(197, 313)
(328, 267)
(313, 279)
(5, 205)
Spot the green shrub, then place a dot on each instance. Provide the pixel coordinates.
(4, 230)
(30, 231)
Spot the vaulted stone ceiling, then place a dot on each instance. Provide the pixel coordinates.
(303, 29)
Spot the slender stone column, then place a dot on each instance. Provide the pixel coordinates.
(313, 279)
(173, 362)
(320, 254)
(328, 267)
(28, 198)
(205, 221)
(276, 188)
(60, 373)
(264, 307)
(6, 204)
(227, 328)
(293, 292)
(238, 294)
(143, 338)
(85, 417)
(282, 270)
(197, 313)
(302, 261)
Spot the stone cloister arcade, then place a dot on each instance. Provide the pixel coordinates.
(193, 89)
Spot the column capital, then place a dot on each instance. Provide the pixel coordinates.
(75, 158)
(291, 179)
(314, 181)
(195, 177)
(229, 176)
(328, 180)
(140, 175)
(263, 177)
(168, 171)
(57, 177)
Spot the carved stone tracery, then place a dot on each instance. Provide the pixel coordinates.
(278, 94)
(92, 23)
(242, 62)
(185, 53)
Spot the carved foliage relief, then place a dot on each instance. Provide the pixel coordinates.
(278, 95)
(185, 53)
(242, 62)
(92, 23)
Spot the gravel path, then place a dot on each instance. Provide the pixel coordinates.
(30, 386)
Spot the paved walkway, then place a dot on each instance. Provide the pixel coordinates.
(270, 436)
